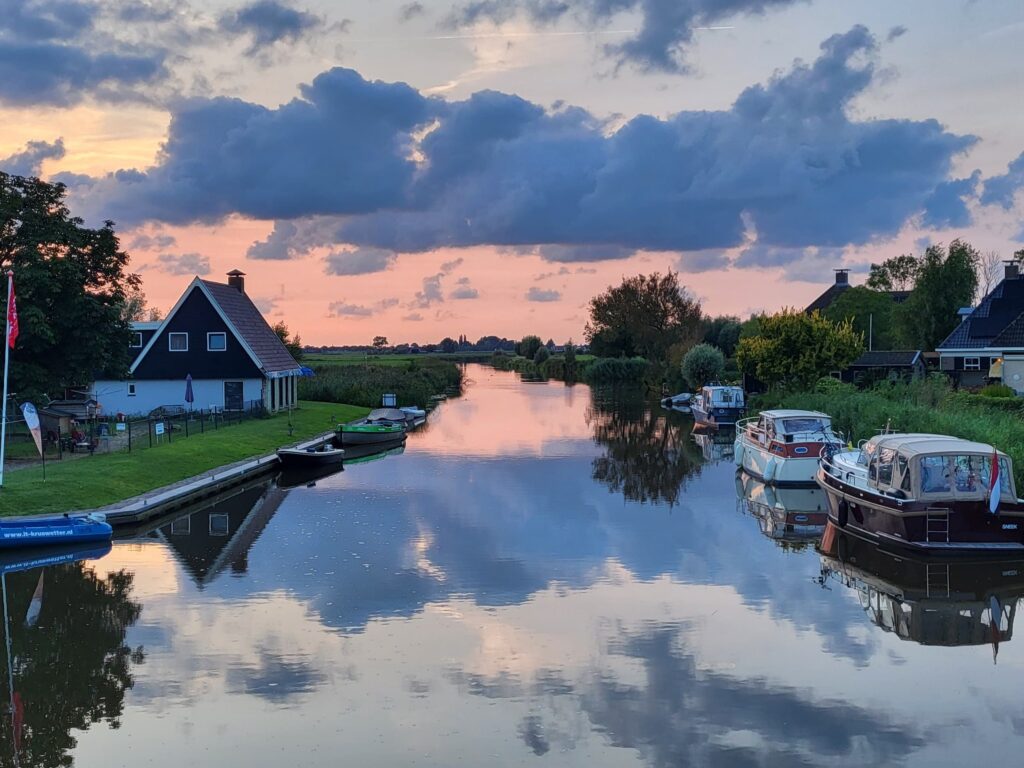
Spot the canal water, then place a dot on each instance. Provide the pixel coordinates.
(545, 575)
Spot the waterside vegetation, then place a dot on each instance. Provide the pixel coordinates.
(413, 381)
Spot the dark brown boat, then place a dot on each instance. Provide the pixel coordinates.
(926, 493)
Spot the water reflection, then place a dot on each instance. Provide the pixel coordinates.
(648, 455)
(794, 517)
(481, 595)
(933, 602)
(715, 444)
(70, 665)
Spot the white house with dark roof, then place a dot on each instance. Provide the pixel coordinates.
(217, 335)
(989, 341)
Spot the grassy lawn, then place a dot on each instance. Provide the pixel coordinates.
(91, 482)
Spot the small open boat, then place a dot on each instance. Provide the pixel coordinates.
(322, 456)
(48, 531)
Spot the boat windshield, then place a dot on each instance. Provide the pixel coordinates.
(801, 424)
(962, 475)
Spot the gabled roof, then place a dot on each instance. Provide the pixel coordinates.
(898, 358)
(827, 299)
(250, 324)
(244, 321)
(998, 321)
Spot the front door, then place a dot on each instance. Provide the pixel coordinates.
(233, 396)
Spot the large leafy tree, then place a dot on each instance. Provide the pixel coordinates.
(947, 280)
(897, 273)
(795, 349)
(870, 312)
(72, 284)
(702, 365)
(294, 345)
(528, 346)
(723, 332)
(645, 315)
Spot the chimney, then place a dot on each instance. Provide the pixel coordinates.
(1012, 269)
(842, 276)
(236, 279)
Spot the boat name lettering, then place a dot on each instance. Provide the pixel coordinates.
(1009, 526)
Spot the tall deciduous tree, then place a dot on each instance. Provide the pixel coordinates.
(723, 332)
(796, 349)
(898, 273)
(380, 343)
(870, 312)
(528, 346)
(294, 345)
(72, 284)
(645, 315)
(947, 280)
(702, 365)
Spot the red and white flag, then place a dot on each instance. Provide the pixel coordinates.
(995, 485)
(12, 319)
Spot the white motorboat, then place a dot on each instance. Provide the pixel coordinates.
(783, 447)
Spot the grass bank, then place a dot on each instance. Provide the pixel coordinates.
(925, 406)
(363, 358)
(413, 381)
(89, 482)
(588, 368)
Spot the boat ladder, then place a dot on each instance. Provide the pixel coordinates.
(937, 526)
(937, 579)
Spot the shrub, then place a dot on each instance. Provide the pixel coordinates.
(613, 370)
(703, 364)
(364, 384)
(541, 355)
(997, 390)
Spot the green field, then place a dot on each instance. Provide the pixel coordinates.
(89, 482)
(357, 358)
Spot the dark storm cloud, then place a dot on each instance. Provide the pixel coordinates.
(29, 161)
(59, 74)
(1001, 190)
(267, 22)
(37, 20)
(785, 163)
(667, 27)
(360, 261)
(947, 206)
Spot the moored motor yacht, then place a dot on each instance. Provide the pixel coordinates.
(783, 447)
(718, 405)
(927, 493)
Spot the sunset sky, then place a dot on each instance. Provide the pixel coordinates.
(445, 167)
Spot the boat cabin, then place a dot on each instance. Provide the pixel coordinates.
(934, 468)
(793, 427)
(718, 396)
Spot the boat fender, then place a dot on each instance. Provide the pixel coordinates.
(843, 514)
(769, 470)
(737, 452)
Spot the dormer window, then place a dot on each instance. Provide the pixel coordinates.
(136, 342)
(216, 342)
(177, 342)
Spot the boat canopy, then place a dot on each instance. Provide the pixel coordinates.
(801, 426)
(386, 414)
(935, 467)
(722, 396)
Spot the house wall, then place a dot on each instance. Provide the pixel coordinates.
(1013, 373)
(196, 317)
(149, 394)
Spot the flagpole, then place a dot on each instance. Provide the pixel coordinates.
(7, 361)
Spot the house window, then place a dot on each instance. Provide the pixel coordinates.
(177, 342)
(216, 342)
(219, 525)
(182, 526)
(972, 363)
(136, 342)
(131, 390)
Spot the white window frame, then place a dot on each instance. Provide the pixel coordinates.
(136, 340)
(972, 366)
(131, 389)
(182, 529)
(170, 347)
(220, 517)
(216, 333)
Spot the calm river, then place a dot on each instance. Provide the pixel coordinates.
(546, 574)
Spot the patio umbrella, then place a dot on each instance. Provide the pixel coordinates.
(189, 397)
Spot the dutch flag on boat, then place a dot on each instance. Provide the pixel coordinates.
(995, 485)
